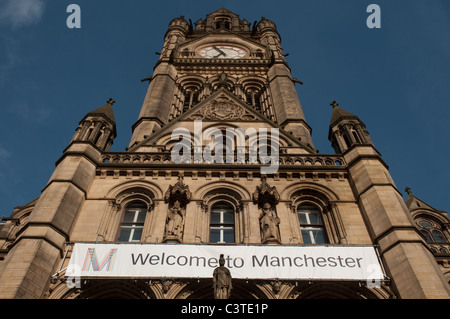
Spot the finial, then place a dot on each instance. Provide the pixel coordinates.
(111, 101)
(334, 104)
(408, 190)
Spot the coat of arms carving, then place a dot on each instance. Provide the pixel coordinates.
(223, 109)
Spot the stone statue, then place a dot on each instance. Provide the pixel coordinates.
(223, 78)
(175, 221)
(222, 281)
(267, 197)
(269, 223)
(177, 196)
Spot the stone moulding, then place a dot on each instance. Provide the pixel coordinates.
(138, 159)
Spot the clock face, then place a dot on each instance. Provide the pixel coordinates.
(222, 52)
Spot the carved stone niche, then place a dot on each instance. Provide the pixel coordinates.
(267, 198)
(177, 196)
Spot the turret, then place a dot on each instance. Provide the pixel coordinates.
(175, 35)
(36, 254)
(346, 130)
(98, 127)
(270, 37)
(387, 218)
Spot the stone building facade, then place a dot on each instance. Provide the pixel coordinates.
(217, 75)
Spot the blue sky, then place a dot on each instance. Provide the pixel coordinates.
(396, 79)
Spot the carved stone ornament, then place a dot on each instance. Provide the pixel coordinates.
(222, 281)
(177, 196)
(178, 192)
(221, 109)
(265, 194)
(267, 197)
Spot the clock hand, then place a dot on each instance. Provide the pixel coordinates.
(220, 52)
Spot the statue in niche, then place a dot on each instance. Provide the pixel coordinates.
(267, 197)
(222, 280)
(177, 196)
(175, 221)
(269, 222)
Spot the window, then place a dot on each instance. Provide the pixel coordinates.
(431, 232)
(311, 224)
(133, 222)
(223, 22)
(355, 135)
(191, 98)
(254, 99)
(221, 228)
(346, 140)
(438, 236)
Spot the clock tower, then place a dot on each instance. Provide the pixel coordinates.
(222, 51)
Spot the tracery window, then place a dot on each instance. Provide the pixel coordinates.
(311, 224)
(431, 231)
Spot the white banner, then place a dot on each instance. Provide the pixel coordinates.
(244, 262)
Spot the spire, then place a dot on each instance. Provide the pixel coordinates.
(340, 114)
(105, 111)
(413, 202)
(346, 130)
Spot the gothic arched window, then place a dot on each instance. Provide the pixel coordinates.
(356, 137)
(221, 228)
(431, 231)
(132, 222)
(311, 224)
(254, 99)
(190, 99)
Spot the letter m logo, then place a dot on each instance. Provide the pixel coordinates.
(92, 262)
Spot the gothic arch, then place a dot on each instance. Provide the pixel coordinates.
(322, 200)
(228, 192)
(191, 80)
(428, 213)
(16, 224)
(105, 289)
(147, 187)
(252, 84)
(336, 290)
(322, 191)
(242, 192)
(202, 289)
(435, 229)
(119, 197)
(257, 80)
(116, 289)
